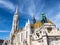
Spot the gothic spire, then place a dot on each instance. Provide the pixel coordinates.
(15, 21)
(16, 11)
(34, 20)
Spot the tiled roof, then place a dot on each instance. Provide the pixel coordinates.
(39, 24)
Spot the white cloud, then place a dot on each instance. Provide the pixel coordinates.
(8, 5)
(31, 8)
(3, 31)
(56, 19)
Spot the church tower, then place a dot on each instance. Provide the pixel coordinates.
(15, 22)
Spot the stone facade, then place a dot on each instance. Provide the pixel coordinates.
(38, 33)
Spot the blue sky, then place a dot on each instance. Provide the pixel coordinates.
(27, 8)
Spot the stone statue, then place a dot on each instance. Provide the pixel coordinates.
(44, 19)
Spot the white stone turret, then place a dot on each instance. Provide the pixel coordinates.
(14, 25)
(15, 22)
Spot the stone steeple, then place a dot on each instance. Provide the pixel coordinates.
(15, 21)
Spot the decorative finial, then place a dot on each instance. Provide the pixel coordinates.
(34, 20)
(28, 21)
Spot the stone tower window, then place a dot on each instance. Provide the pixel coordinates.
(21, 36)
(26, 34)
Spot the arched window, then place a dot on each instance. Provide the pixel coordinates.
(49, 29)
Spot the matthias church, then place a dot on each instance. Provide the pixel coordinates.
(42, 32)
